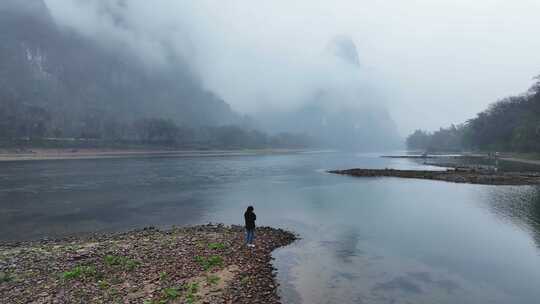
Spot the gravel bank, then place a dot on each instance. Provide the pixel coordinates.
(202, 264)
(455, 176)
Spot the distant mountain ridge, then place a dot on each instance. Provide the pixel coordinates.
(361, 128)
(56, 82)
(346, 118)
(80, 87)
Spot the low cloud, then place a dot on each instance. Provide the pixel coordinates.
(430, 63)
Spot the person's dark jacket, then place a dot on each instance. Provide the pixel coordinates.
(250, 218)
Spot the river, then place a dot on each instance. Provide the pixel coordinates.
(364, 240)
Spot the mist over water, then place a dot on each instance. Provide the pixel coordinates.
(203, 78)
(382, 240)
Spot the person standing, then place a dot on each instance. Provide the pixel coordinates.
(250, 218)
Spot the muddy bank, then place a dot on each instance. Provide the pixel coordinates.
(202, 264)
(455, 176)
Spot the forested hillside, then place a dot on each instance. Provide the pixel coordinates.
(57, 86)
(60, 87)
(54, 82)
(511, 124)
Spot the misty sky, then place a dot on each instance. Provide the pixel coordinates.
(430, 62)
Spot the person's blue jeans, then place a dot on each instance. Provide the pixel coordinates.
(250, 235)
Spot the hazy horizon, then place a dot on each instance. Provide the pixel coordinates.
(433, 64)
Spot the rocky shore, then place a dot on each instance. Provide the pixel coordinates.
(202, 264)
(453, 175)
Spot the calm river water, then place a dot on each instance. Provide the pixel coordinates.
(364, 240)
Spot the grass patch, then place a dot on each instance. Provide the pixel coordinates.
(212, 279)
(168, 294)
(103, 284)
(209, 263)
(114, 294)
(163, 276)
(122, 262)
(191, 292)
(160, 301)
(116, 280)
(80, 272)
(6, 277)
(72, 247)
(215, 246)
(171, 293)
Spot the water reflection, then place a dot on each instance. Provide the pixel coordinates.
(518, 205)
(404, 242)
(364, 240)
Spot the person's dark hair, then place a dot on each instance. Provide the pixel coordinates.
(250, 209)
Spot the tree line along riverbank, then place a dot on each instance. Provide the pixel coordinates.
(510, 125)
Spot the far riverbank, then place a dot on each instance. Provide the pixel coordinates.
(66, 154)
(452, 175)
(514, 162)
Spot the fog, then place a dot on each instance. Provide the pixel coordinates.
(253, 56)
(430, 63)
